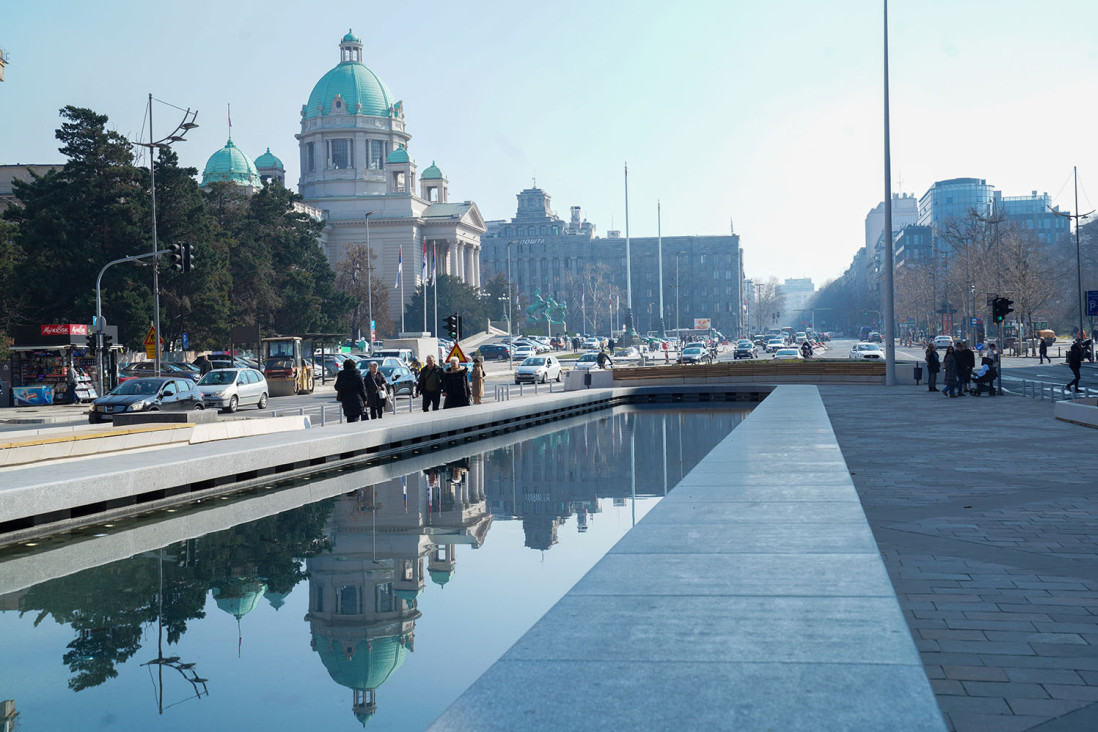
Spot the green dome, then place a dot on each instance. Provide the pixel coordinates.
(267, 160)
(407, 595)
(351, 37)
(400, 155)
(367, 666)
(362, 90)
(441, 576)
(239, 597)
(232, 165)
(431, 172)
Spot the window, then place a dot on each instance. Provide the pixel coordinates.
(556, 230)
(348, 600)
(318, 603)
(310, 158)
(376, 150)
(383, 602)
(341, 154)
(544, 230)
(507, 231)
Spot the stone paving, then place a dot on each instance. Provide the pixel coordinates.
(988, 524)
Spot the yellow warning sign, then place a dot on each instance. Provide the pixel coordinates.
(150, 343)
(456, 351)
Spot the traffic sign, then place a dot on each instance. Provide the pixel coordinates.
(974, 322)
(1092, 303)
(456, 351)
(150, 343)
(183, 338)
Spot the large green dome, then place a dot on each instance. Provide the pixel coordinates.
(366, 664)
(232, 165)
(362, 90)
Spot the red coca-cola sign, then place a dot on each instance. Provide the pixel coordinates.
(65, 329)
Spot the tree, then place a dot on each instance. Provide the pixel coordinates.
(495, 298)
(351, 273)
(769, 304)
(454, 296)
(588, 293)
(1030, 273)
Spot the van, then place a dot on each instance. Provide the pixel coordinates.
(404, 354)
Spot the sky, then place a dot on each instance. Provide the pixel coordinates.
(762, 115)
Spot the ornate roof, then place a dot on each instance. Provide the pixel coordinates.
(232, 165)
(267, 160)
(362, 91)
(399, 155)
(432, 172)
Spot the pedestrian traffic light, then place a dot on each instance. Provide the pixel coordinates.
(452, 326)
(107, 338)
(188, 256)
(91, 342)
(1000, 308)
(175, 255)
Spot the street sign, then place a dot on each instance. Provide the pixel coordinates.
(150, 343)
(456, 351)
(1092, 303)
(974, 322)
(184, 339)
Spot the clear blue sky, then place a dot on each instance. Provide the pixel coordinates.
(763, 112)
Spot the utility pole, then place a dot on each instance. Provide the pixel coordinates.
(887, 294)
(1078, 255)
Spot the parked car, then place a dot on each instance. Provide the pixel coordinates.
(696, 353)
(404, 354)
(942, 342)
(230, 389)
(401, 379)
(538, 368)
(498, 351)
(788, 354)
(875, 337)
(147, 395)
(866, 352)
(745, 349)
(588, 361)
(143, 369)
(628, 356)
(524, 352)
(592, 342)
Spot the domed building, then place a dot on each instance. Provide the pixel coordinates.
(231, 164)
(355, 161)
(270, 168)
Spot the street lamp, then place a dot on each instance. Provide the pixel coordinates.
(186, 125)
(678, 313)
(369, 281)
(510, 321)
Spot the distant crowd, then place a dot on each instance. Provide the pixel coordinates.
(369, 395)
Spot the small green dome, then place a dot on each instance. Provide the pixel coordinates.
(441, 576)
(407, 595)
(399, 155)
(351, 37)
(267, 160)
(239, 596)
(232, 165)
(364, 665)
(362, 91)
(431, 172)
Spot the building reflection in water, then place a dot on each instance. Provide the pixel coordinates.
(363, 592)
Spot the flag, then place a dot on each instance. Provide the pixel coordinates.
(434, 263)
(404, 489)
(229, 113)
(400, 265)
(424, 275)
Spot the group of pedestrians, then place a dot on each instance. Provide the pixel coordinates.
(366, 396)
(960, 370)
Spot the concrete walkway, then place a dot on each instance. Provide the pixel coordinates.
(988, 523)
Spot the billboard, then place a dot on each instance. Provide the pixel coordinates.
(703, 323)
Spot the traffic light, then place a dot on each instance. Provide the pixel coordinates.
(460, 329)
(452, 326)
(175, 256)
(1000, 308)
(91, 343)
(107, 338)
(188, 256)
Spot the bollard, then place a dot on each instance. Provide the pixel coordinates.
(535, 388)
(323, 415)
(301, 411)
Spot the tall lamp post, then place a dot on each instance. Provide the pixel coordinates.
(659, 260)
(369, 282)
(186, 125)
(510, 321)
(678, 313)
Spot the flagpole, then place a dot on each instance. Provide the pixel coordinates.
(434, 280)
(628, 263)
(424, 278)
(400, 276)
(659, 259)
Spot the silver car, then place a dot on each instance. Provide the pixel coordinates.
(230, 389)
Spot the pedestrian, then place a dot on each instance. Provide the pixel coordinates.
(806, 349)
(933, 365)
(350, 391)
(376, 390)
(430, 384)
(603, 359)
(1042, 351)
(455, 384)
(949, 363)
(1075, 363)
(204, 364)
(478, 380)
(71, 380)
(966, 363)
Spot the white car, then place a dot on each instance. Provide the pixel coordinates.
(866, 352)
(774, 344)
(942, 342)
(592, 343)
(524, 352)
(788, 354)
(628, 357)
(541, 369)
(229, 389)
(588, 361)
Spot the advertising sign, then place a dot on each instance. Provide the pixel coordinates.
(65, 329)
(702, 323)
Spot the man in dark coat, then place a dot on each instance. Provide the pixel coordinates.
(1075, 363)
(1042, 351)
(455, 384)
(430, 384)
(350, 391)
(933, 366)
(966, 362)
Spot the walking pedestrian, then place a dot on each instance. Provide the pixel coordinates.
(455, 385)
(1042, 352)
(933, 365)
(430, 384)
(350, 391)
(1075, 363)
(377, 390)
(966, 362)
(949, 363)
(478, 380)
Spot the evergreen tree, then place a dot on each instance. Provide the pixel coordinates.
(454, 296)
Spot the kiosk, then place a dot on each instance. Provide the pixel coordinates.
(48, 360)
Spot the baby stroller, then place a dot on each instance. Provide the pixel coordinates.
(984, 379)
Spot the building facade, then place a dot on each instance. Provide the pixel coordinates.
(702, 275)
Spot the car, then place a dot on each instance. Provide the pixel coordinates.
(800, 337)
(403, 354)
(875, 337)
(229, 389)
(788, 354)
(497, 351)
(588, 361)
(592, 342)
(745, 349)
(147, 394)
(524, 352)
(329, 362)
(142, 369)
(401, 379)
(942, 342)
(628, 356)
(539, 369)
(774, 344)
(866, 352)
(695, 353)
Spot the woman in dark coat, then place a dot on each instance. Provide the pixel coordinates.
(350, 391)
(455, 385)
(932, 367)
(949, 362)
(376, 386)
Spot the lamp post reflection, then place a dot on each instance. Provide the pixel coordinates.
(197, 683)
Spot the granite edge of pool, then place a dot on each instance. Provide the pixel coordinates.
(752, 597)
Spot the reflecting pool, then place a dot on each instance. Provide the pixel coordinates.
(372, 596)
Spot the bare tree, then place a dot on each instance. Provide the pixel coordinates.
(769, 303)
(1030, 273)
(351, 273)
